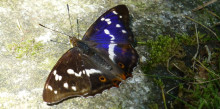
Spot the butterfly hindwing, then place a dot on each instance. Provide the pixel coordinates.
(61, 84)
(126, 57)
(75, 74)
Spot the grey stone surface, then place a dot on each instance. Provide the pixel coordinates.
(24, 69)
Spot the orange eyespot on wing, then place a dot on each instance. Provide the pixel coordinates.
(116, 82)
(102, 78)
(123, 76)
(121, 65)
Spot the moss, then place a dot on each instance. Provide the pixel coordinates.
(200, 77)
(28, 47)
(163, 48)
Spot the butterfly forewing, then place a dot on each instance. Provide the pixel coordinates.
(112, 35)
(117, 17)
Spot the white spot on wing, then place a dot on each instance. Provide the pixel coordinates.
(91, 71)
(66, 85)
(70, 71)
(118, 26)
(74, 88)
(106, 31)
(112, 37)
(78, 75)
(111, 51)
(60, 78)
(111, 47)
(55, 92)
(55, 72)
(120, 16)
(123, 31)
(49, 87)
(114, 12)
(107, 20)
(56, 77)
(83, 71)
(102, 19)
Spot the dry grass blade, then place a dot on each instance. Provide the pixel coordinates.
(204, 5)
(202, 26)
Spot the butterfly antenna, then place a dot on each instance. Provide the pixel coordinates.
(77, 21)
(59, 42)
(70, 20)
(54, 30)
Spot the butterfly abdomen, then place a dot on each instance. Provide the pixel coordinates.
(84, 47)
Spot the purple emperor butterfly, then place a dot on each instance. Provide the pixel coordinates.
(101, 60)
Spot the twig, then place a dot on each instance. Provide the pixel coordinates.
(217, 24)
(197, 51)
(181, 100)
(197, 40)
(212, 13)
(168, 64)
(204, 5)
(19, 27)
(161, 85)
(58, 42)
(164, 98)
(171, 89)
(202, 26)
(209, 54)
(207, 68)
(204, 81)
(178, 67)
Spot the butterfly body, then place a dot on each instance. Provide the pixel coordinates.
(101, 60)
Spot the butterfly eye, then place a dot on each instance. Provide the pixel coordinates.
(121, 65)
(102, 79)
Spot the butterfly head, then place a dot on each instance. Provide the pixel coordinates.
(73, 41)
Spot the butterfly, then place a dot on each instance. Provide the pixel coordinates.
(101, 60)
